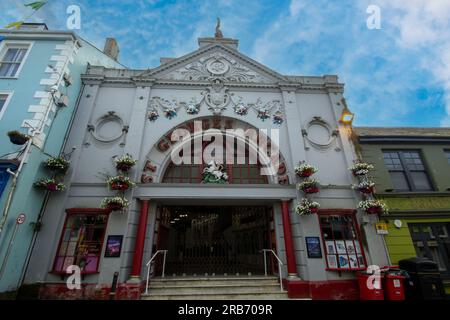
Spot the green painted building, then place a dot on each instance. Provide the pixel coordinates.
(412, 175)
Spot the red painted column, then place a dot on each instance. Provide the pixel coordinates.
(288, 242)
(140, 240)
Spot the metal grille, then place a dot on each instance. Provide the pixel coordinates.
(216, 240)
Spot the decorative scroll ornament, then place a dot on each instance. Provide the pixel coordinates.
(240, 108)
(278, 117)
(192, 107)
(216, 97)
(153, 115)
(263, 110)
(216, 65)
(168, 107)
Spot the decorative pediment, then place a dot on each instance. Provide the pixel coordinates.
(218, 62)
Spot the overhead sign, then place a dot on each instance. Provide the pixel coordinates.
(382, 228)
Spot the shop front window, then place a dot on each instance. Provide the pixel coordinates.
(343, 248)
(432, 241)
(81, 240)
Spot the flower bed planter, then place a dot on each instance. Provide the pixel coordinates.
(305, 170)
(50, 185)
(309, 186)
(120, 183)
(57, 164)
(114, 204)
(18, 138)
(310, 190)
(366, 190)
(306, 207)
(373, 207)
(361, 169)
(125, 163)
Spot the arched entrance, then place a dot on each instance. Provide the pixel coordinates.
(213, 234)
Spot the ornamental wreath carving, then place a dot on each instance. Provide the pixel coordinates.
(216, 65)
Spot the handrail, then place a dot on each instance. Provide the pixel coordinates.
(149, 263)
(280, 263)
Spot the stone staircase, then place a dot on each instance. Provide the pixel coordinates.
(215, 288)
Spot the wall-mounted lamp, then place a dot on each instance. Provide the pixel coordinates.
(346, 116)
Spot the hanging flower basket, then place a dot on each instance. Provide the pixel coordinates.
(17, 137)
(305, 170)
(125, 163)
(120, 183)
(373, 207)
(50, 185)
(361, 168)
(365, 186)
(114, 203)
(306, 207)
(309, 186)
(57, 164)
(214, 173)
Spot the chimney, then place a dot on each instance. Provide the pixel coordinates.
(111, 48)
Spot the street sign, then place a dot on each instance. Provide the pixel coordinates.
(21, 218)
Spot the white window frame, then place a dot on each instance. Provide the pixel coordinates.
(8, 99)
(7, 44)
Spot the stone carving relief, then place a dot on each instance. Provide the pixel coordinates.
(320, 135)
(216, 65)
(217, 98)
(107, 128)
(149, 168)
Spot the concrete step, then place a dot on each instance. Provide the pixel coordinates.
(215, 288)
(219, 289)
(214, 296)
(190, 282)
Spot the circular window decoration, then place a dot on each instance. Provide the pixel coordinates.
(217, 66)
(319, 133)
(108, 128)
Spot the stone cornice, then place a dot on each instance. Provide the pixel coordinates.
(140, 81)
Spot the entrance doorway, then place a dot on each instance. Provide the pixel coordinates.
(215, 239)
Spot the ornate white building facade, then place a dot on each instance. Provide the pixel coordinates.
(207, 229)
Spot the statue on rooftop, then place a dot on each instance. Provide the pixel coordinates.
(218, 34)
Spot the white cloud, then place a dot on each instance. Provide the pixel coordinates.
(424, 24)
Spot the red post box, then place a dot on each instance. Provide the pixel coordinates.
(394, 288)
(368, 288)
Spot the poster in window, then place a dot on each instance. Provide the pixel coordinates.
(340, 246)
(313, 247)
(332, 262)
(353, 261)
(350, 247)
(330, 247)
(343, 261)
(113, 246)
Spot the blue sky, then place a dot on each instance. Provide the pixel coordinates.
(398, 75)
